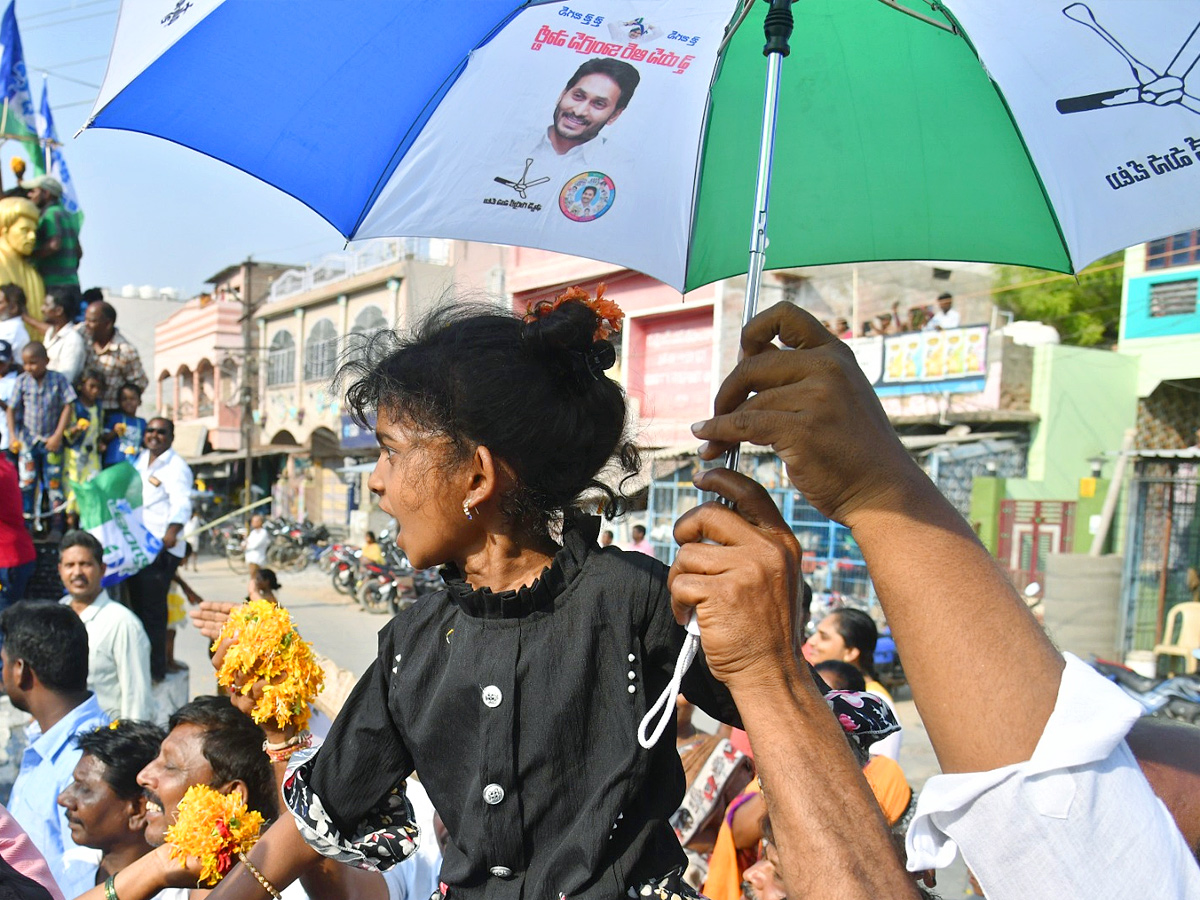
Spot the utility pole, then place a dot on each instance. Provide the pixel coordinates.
(249, 376)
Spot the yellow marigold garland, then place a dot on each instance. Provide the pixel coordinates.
(267, 646)
(214, 828)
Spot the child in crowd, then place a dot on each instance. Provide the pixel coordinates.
(371, 550)
(263, 585)
(83, 437)
(517, 690)
(123, 428)
(8, 380)
(37, 422)
(12, 322)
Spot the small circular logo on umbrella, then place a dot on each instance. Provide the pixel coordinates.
(587, 196)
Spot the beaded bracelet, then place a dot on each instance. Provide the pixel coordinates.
(110, 888)
(283, 752)
(259, 877)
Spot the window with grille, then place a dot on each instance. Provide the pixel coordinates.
(281, 359)
(368, 321)
(320, 353)
(1173, 298)
(1177, 250)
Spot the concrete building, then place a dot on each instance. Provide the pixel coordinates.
(200, 366)
(1160, 332)
(312, 317)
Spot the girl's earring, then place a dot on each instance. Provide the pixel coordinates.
(467, 509)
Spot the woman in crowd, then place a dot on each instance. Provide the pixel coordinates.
(850, 635)
(715, 773)
(106, 808)
(883, 773)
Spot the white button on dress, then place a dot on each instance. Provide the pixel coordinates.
(501, 871)
(493, 794)
(492, 697)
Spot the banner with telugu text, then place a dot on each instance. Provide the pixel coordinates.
(576, 129)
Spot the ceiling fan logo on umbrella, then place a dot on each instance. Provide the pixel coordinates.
(1165, 89)
(587, 196)
(181, 6)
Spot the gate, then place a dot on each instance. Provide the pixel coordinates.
(1030, 530)
(1162, 542)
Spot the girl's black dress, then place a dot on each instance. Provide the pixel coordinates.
(520, 712)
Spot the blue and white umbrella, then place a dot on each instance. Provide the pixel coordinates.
(1023, 131)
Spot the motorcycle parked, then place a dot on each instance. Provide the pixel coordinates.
(1175, 697)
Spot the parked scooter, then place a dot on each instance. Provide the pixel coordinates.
(1176, 697)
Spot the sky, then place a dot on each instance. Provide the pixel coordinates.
(155, 213)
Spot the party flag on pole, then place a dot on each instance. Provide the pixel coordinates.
(17, 119)
(56, 164)
(110, 507)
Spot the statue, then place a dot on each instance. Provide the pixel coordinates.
(18, 235)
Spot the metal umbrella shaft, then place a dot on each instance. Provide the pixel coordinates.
(778, 29)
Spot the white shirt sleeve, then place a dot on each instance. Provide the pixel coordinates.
(131, 648)
(1077, 820)
(74, 354)
(177, 480)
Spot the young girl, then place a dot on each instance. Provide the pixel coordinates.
(263, 585)
(83, 437)
(123, 428)
(517, 690)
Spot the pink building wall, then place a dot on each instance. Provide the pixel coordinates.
(668, 364)
(193, 343)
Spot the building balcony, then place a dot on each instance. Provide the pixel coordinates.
(960, 375)
(338, 267)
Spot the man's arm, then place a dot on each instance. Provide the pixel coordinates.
(831, 836)
(968, 641)
(177, 481)
(134, 373)
(74, 354)
(55, 441)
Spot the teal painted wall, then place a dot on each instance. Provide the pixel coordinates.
(1140, 324)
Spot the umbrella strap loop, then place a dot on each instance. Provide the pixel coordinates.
(666, 700)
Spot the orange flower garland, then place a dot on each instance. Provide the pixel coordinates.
(610, 315)
(215, 828)
(266, 646)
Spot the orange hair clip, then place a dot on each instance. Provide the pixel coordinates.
(610, 315)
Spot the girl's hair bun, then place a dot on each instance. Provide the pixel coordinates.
(571, 332)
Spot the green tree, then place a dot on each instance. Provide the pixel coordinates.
(1085, 309)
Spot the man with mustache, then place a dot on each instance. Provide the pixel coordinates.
(118, 649)
(45, 673)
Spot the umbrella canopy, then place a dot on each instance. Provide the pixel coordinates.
(1030, 133)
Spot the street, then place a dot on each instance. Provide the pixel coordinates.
(343, 631)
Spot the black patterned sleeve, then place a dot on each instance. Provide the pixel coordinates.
(348, 800)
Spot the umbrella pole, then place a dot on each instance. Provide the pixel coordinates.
(777, 27)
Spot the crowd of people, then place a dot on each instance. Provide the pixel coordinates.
(497, 745)
(939, 316)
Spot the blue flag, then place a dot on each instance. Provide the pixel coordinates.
(57, 164)
(18, 119)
